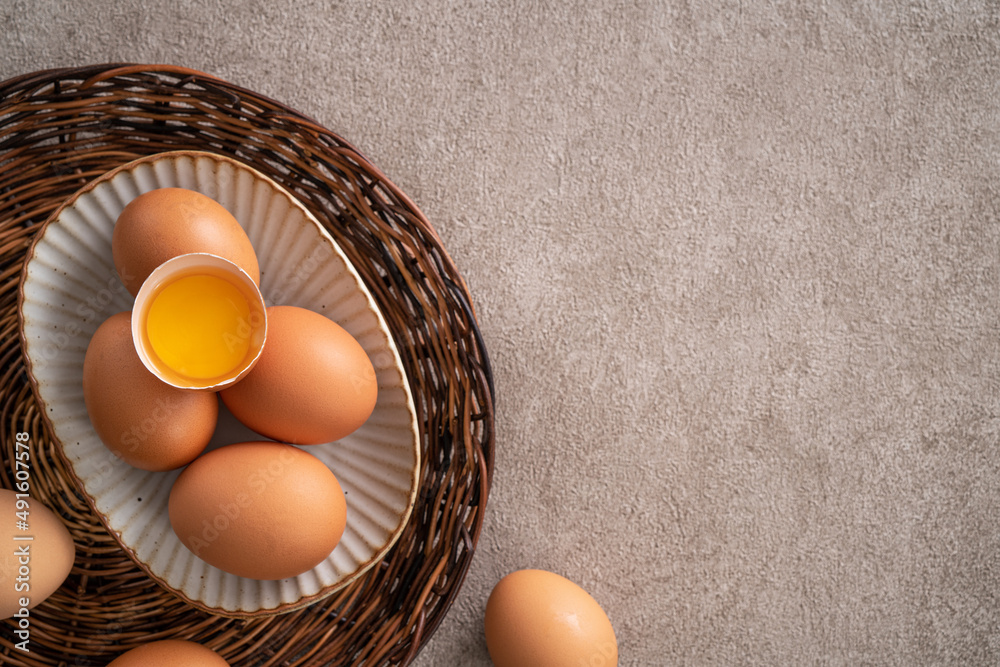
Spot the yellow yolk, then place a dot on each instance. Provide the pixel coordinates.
(198, 326)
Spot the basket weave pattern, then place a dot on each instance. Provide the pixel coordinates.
(61, 128)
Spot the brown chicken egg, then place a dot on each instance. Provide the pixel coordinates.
(166, 222)
(37, 556)
(536, 618)
(262, 510)
(313, 382)
(169, 653)
(143, 420)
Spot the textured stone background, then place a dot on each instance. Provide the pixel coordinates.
(737, 265)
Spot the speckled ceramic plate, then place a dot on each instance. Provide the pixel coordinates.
(69, 287)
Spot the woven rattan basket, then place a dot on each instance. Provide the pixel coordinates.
(61, 128)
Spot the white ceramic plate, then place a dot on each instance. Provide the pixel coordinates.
(69, 286)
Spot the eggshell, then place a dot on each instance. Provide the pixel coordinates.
(312, 384)
(35, 568)
(143, 420)
(167, 222)
(169, 653)
(262, 510)
(536, 618)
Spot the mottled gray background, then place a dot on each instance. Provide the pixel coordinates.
(737, 266)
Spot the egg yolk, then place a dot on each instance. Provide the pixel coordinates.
(197, 326)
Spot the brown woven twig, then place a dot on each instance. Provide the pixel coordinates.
(61, 128)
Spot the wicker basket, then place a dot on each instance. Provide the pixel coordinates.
(61, 128)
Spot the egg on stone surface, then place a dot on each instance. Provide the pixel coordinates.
(31, 569)
(169, 653)
(261, 510)
(536, 618)
(141, 419)
(167, 222)
(312, 384)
